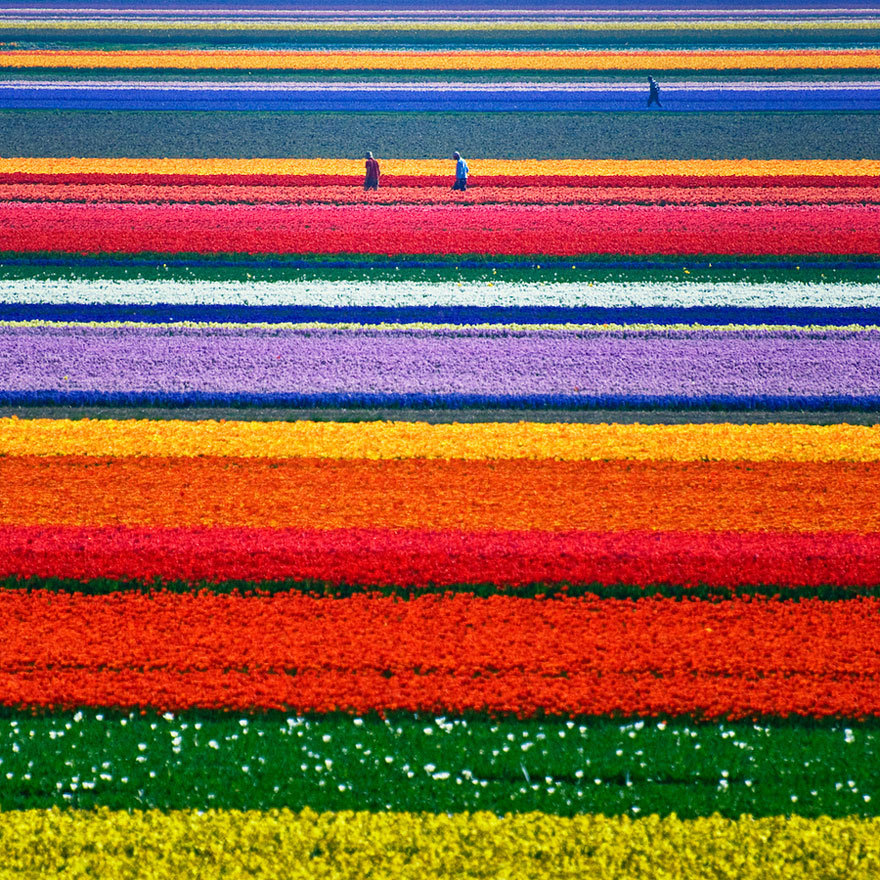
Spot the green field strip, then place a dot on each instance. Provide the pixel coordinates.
(125, 760)
(446, 416)
(509, 135)
(544, 591)
(284, 267)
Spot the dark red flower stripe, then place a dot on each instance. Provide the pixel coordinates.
(419, 558)
(734, 658)
(392, 180)
(495, 229)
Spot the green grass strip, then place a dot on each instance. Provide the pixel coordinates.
(412, 762)
(106, 586)
(360, 267)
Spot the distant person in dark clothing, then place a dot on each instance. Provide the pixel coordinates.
(654, 96)
(372, 179)
(461, 172)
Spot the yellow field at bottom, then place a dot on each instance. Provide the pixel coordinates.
(307, 844)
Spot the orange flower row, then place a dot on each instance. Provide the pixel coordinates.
(543, 495)
(735, 658)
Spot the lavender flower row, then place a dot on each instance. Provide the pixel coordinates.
(497, 364)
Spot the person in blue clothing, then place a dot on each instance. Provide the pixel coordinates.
(461, 172)
(654, 95)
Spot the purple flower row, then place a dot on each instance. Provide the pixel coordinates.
(253, 361)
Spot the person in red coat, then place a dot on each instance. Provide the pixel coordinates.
(372, 179)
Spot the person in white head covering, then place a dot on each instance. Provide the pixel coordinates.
(461, 172)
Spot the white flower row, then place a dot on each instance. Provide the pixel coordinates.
(407, 293)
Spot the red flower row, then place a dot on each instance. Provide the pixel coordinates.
(437, 194)
(451, 229)
(413, 557)
(479, 182)
(582, 656)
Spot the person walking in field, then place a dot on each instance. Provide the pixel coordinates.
(461, 172)
(654, 95)
(371, 181)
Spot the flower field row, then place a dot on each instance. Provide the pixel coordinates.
(634, 60)
(773, 136)
(455, 298)
(400, 440)
(332, 559)
(737, 658)
(544, 20)
(416, 762)
(216, 169)
(454, 366)
(496, 229)
(330, 846)
(717, 188)
(262, 307)
(431, 191)
(557, 97)
(520, 495)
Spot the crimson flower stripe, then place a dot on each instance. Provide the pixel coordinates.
(391, 557)
(560, 230)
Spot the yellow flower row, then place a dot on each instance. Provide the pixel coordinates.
(378, 23)
(484, 167)
(776, 59)
(334, 846)
(400, 440)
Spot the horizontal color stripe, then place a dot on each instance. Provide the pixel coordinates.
(459, 60)
(855, 301)
(737, 658)
(454, 367)
(115, 844)
(259, 21)
(418, 86)
(860, 406)
(729, 136)
(721, 319)
(400, 440)
(269, 760)
(478, 167)
(103, 586)
(545, 495)
(420, 558)
(716, 188)
(441, 327)
(438, 98)
(443, 268)
(497, 229)
(439, 192)
(457, 10)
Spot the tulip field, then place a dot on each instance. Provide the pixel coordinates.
(527, 531)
